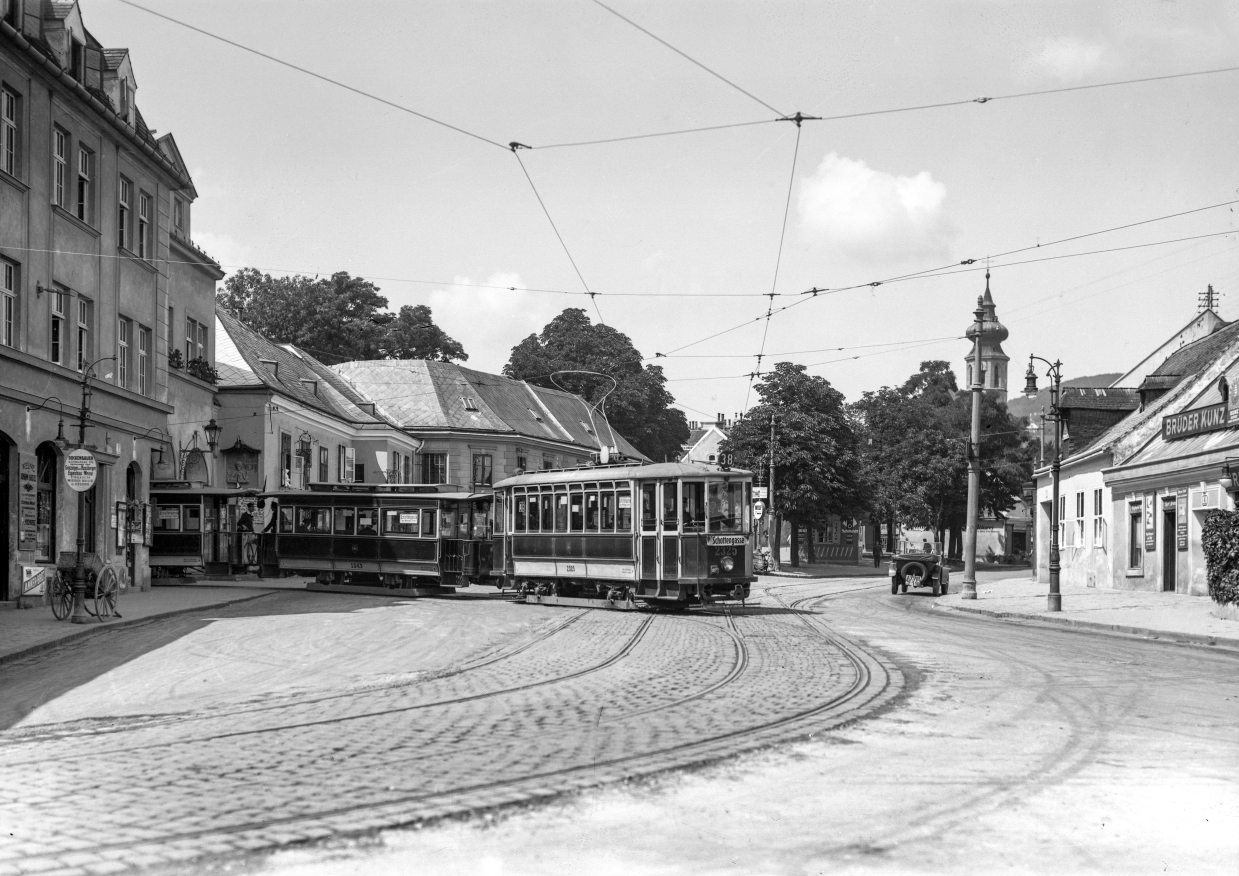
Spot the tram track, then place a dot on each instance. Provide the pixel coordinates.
(374, 713)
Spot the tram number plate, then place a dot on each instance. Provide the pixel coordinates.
(356, 565)
(726, 540)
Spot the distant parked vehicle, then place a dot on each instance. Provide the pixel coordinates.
(919, 567)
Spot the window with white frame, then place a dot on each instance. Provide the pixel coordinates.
(144, 225)
(1062, 520)
(195, 339)
(1099, 521)
(124, 351)
(178, 214)
(1079, 524)
(9, 141)
(123, 200)
(322, 465)
(84, 323)
(434, 468)
(60, 166)
(59, 328)
(85, 189)
(8, 306)
(1135, 536)
(144, 360)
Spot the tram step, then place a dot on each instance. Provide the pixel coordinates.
(578, 602)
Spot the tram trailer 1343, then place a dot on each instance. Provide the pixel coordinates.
(663, 534)
(418, 539)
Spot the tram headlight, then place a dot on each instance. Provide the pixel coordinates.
(727, 564)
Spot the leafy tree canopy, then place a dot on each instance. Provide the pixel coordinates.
(338, 319)
(816, 455)
(639, 407)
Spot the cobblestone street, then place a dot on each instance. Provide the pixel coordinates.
(298, 716)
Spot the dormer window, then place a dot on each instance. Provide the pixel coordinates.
(469, 403)
(77, 58)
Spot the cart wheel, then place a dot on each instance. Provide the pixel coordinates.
(62, 595)
(105, 594)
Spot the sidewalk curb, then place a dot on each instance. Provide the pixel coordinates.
(87, 632)
(1146, 632)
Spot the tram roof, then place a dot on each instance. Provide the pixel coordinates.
(652, 471)
(319, 493)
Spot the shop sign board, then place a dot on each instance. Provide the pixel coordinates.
(1150, 524)
(80, 470)
(759, 492)
(1208, 499)
(1210, 418)
(28, 502)
(1180, 524)
(34, 580)
(759, 508)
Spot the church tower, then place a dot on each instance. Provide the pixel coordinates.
(993, 359)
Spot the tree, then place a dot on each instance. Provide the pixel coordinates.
(816, 454)
(336, 320)
(639, 407)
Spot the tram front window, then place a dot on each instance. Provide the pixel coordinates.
(428, 523)
(671, 516)
(608, 511)
(286, 519)
(561, 512)
(522, 505)
(623, 511)
(694, 507)
(726, 507)
(544, 501)
(591, 512)
(576, 521)
(193, 518)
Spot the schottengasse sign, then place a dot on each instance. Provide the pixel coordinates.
(1207, 419)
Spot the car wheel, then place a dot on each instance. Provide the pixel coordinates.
(894, 587)
(904, 588)
(942, 589)
(934, 585)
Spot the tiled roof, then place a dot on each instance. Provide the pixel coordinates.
(239, 362)
(1192, 358)
(420, 394)
(1100, 399)
(58, 8)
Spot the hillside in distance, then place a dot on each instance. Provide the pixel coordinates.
(1026, 406)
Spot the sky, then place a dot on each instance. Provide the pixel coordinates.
(681, 236)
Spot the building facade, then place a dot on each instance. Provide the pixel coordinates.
(100, 288)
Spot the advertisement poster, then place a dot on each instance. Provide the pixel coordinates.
(1150, 524)
(1181, 519)
(28, 502)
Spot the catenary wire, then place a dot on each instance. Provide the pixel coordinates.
(593, 296)
(688, 58)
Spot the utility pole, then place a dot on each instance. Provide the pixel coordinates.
(776, 530)
(79, 615)
(974, 463)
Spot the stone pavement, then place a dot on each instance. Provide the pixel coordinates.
(1172, 616)
(26, 631)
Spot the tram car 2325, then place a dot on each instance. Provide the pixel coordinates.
(418, 539)
(662, 534)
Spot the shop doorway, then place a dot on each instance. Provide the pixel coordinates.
(1169, 549)
(6, 484)
(133, 481)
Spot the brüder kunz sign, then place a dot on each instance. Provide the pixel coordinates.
(1194, 422)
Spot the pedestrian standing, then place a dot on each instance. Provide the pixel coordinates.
(877, 552)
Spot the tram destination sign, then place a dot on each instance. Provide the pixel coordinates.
(1194, 422)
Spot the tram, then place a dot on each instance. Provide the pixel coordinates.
(414, 540)
(615, 536)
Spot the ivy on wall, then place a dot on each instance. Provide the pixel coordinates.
(1220, 539)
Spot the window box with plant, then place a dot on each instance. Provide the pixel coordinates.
(201, 368)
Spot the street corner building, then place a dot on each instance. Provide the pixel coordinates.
(106, 306)
(1144, 461)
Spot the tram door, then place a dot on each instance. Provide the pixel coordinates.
(669, 538)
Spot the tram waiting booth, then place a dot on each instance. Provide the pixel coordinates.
(195, 528)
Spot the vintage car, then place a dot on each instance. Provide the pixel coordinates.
(919, 567)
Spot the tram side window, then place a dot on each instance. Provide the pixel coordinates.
(192, 518)
(671, 517)
(522, 513)
(591, 512)
(345, 517)
(545, 501)
(623, 511)
(561, 512)
(367, 521)
(313, 521)
(694, 507)
(400, 521)
(286, 519)
(649, 518)
(428, 523)
(607, 508)
(576, 522)
(168, 518)
(447, 522)
(725, 506)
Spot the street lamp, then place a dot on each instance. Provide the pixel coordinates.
(212, 430)
(1055, 373)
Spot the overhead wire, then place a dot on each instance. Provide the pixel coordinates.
(336, 82)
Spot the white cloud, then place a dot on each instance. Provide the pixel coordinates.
(489, 322)
(1070, 59)
(849, 207)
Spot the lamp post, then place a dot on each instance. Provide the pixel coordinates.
(969, 590)
(79, 615)
(1055, 373)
